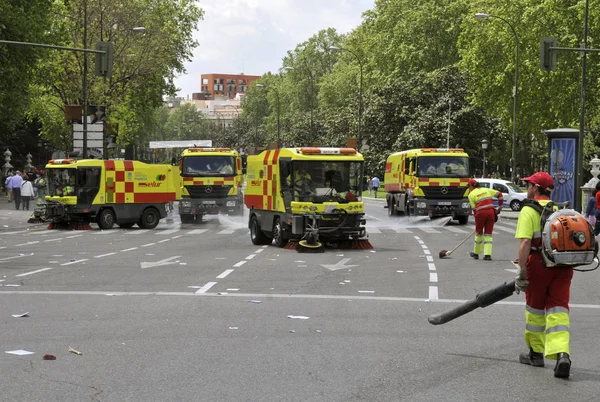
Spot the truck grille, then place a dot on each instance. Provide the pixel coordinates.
(208, 191)
(452, 193)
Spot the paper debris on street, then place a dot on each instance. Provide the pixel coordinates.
(300, 317)
(75, 351)
(21, 315)
(19, 352)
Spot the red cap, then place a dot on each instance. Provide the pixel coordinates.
(542, 179)
(472, 182)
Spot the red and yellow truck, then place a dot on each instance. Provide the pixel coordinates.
(428, 181)
(304, 198)
(108, 192)
(211, 183)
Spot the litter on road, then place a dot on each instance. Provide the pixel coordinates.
(21, 315)
(300, 317)
(19, 352)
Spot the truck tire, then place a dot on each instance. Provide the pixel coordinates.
(199, 218)
(278, 234)
(186, 218)
(463, 220)
(149, 219)
(106, 219)
(407, 211)
(391, 207)
(257, 236)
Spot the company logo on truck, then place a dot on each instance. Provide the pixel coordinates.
(151, 184)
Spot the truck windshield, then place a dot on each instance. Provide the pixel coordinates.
(61, 181)
(442, 166)
(322, 181)
(208, 166)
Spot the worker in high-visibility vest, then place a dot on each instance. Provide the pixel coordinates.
(485, 213)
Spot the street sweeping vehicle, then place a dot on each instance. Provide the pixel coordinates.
(107, 192)
(428, 181)
(212, 183)
(305, 198)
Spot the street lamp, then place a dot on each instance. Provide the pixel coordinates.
(484, 146)
(277, 97)
(513, 164)
(360, 94)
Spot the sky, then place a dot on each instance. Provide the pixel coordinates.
(253, 36)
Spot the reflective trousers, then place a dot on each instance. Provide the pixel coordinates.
(547, 307)
(484, 226)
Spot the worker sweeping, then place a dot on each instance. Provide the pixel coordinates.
(482, 203)
(546, 288)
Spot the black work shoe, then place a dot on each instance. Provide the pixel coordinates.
(487, 257)
(472, 254)
(532, 358)
(563, 365)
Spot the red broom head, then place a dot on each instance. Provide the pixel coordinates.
(443, 253)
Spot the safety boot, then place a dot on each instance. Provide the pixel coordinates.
(532, 358)
(487, 257)
(472, 254)
(563, 365)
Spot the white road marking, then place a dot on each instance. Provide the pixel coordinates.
(431, 266)
(429, 230)
(26, 244)
(227, 231)
(260, 250)
(104, 255)
(137, 232)
(74, 236)
(13, 257)
(33, 272)
(148, 245)
(205, 288)
(167, 232)
(74, 262)
(48, 241)
(129, 249)
(197, 231)
(239, 264)
(251, 256)
(455, 229)
(225, 273)
(433, 293)
(433, 277)
(162, 241)
(401, 230)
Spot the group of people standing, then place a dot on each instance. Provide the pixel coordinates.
(21, 188)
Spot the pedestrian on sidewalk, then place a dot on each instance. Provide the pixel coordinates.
(16, 182)
(375, 181)
(26, 192)
(8, 185)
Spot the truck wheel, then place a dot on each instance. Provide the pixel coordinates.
(391, 208)
(199, 218)
(126, 225)
(280, 241)
(187, 218)
(407, 211)
(106, 219)
(256, 234)
(149, 219)
(463, 220)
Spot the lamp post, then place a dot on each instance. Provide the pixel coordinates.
(484, 146)
(277, 97)
(513, 164)
(360, 93)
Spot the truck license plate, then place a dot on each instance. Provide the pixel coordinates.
(444, 203)
(209, 202)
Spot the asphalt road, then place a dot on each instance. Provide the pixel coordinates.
(196, 312)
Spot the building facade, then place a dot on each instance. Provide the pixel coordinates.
(225, 85)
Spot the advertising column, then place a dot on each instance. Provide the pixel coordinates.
(563, 165)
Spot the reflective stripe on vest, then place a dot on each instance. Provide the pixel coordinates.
(484, 203)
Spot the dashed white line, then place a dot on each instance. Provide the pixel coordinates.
(433, 293)
(129, 249)
(74, 236)
(48, 241)
(104, 255)
(251, 256)
(239, 264)
(27, 244)
(225, 273)
(33, 272)
(162, 241)
(148, 245)
(206, 287)
(197, 231)
(433, 277)
(74, 262)
(431, 267)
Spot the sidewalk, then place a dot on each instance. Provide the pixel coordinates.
(10, 218)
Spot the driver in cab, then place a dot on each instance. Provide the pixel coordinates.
(302, 181)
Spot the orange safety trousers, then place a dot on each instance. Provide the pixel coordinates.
(547, 325)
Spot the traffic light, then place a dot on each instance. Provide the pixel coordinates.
(547, 56)
(104, 61)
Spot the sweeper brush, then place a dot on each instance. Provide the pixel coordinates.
(446, 253)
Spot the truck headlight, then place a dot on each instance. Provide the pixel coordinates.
(186, 204)
(421, 205)
(231, 203)
(466, 205)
